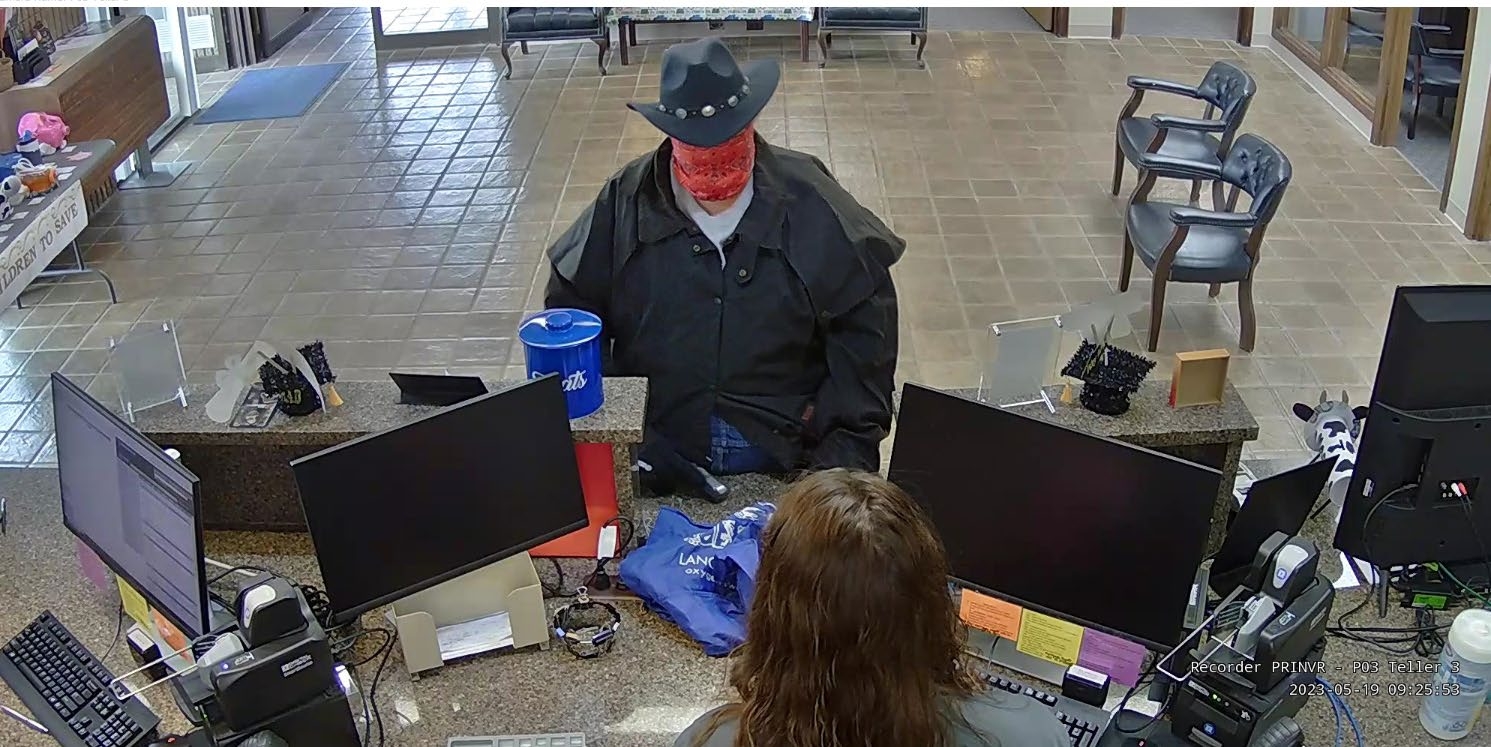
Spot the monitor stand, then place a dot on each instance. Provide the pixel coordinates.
(1002, 651)
(492, 607)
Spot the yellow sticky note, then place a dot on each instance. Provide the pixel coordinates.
(134, 605)
(990, 615)
(1049, 638)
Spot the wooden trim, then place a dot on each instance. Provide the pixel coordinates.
(1061, 22)
(1478, 212)
(1444, 189)
(1388, 100)
(1118, 18)
(1333, 44)
(1281, 17)
(1244, 26)
(1478, 216)
(1351, 90)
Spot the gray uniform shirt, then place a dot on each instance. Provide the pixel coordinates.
(999, 719)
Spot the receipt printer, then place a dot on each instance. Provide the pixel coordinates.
(1246, 694)
(275, 674)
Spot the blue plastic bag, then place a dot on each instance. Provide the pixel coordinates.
(700, 577)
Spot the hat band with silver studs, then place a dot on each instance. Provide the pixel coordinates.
(709, 110)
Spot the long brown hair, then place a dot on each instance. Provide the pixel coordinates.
(852, 638)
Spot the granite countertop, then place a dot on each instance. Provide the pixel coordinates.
(650, 687)
(371, 407)
(1151, 421)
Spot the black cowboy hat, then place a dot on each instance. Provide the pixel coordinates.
(705, 97)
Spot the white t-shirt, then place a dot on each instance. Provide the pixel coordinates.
(717, 227)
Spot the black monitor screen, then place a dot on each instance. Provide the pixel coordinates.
(135, 506)
(1280, 503)
(1429, 325)
(1096, 531)
(396, 512)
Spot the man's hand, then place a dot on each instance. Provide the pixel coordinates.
(663, 470)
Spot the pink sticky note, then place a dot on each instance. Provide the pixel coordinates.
(1120, 659)
(92, 567)
(80, 156)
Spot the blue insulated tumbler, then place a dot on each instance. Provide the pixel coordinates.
(566, 342)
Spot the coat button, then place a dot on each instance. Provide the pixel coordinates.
(718, 301)
(698, 249)
(742, 273)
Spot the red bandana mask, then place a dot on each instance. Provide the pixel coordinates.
(718, 173)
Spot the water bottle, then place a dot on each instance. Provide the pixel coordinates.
(566, 342)
(1463, 679)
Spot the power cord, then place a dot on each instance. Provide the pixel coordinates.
(118, 630)
(599, 579)
(1425, 638)
(1145, 678)
(370, 712)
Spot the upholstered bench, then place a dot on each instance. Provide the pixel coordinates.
(523, 25)
(913, 20)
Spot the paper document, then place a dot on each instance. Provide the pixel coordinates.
(477, 636)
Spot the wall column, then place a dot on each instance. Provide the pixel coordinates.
(1090, 23)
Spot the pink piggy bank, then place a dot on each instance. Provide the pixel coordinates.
(49, 130)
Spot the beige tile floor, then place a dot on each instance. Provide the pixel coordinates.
(404, 218)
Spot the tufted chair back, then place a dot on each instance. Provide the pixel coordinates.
(1227, 91)
(1260, 169)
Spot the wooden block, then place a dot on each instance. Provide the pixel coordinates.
(1199, 378)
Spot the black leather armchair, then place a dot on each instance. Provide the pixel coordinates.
(913, 20)
(1185, 244)
(1227, 91)
(523, 25)
(1432, 70)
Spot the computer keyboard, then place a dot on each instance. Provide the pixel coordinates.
(523, 740)
(1083, 722)
(66, 688)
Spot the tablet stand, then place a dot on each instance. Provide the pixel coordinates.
(463, 616)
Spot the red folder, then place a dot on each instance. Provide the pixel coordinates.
(598, 480)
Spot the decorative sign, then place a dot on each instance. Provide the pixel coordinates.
(57, 224)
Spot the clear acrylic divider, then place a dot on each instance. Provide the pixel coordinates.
(147, 362)
(1021, 356)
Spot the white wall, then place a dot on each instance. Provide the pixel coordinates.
(1263, 27)
(1474, 98)
(1090, 23)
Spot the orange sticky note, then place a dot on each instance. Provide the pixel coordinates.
(174, 638)
(991, 615)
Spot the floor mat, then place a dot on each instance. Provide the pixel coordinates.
(272, 93)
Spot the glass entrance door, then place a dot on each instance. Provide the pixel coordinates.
(409, 26)
(177, 43)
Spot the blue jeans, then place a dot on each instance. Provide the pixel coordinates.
(731, 454)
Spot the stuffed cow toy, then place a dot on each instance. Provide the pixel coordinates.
(1331, 430)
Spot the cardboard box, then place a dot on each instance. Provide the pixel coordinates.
(1199, 378)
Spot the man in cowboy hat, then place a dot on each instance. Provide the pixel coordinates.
(749, 287)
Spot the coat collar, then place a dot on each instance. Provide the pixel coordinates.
(659, 217)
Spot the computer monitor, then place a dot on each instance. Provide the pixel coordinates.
(1081, 527)
(139, 509)
(1280, 503)
(397, 512)
(1423, 468)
